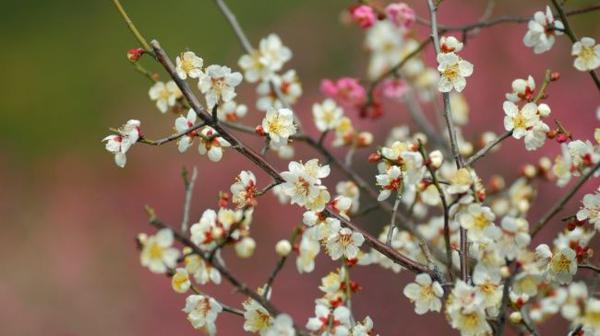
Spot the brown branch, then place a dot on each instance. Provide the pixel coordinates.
(559, 205)
(188, 184)
(500, 20)
(464, 244)
(173, 137)
(487, 148)
(445, 209)
(261, 163)
(590, 267)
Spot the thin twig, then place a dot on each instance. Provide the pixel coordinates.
(173, 137)
(487, 148)
(445, 209)
(281, 262)
(558, 206)
(590, 267)
(132, 27)
(464, 257)
(390, 234)
(500, 20)
(188, 185)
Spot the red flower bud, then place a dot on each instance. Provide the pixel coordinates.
(134, 54)
(555, 76)
(260, 131)
(561, 138)
(374, 157)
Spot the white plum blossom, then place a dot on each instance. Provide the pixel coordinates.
(218, 84)
(270, 57)
(453, 71)
(279, 125)
(591, 209)
(157, 252)
(182, 124)
(343, 242)
(202, 271)
(563, 266)
(119, 144)
(520, 121)
(231, 111)
(303, 181)
(211, 144)
(202, 312)
(541, 31)
(479, 221)
(515, 236)
(536, 136)
(289, 86)
(587, 54)
(307, 252)
(390, 181)
(283, 325)
(188, 65)
(466, 311)
(340, 321)
(327, 115)
(165, 95)
(425, 293)
(522, 90)
(460, 181)
(243, 190)
(180, 281)
(450, 44)
(256, 318)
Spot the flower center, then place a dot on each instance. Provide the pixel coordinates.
(451, 72)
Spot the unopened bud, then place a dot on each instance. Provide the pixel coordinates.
(436, 158)
(374, 157)
(515, 317)
(134, 54)
(245, 247)
(364, 139)
(562, 138)
(555, 76)
(529, 171)
(283, 248)
(260, 131)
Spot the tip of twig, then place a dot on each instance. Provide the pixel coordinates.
(150, 212)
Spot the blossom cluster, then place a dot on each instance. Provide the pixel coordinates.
(467, 236)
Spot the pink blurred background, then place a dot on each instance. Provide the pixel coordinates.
(68, 261)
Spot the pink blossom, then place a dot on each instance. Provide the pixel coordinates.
(346, 91)
(400, 14)
(363, 15)
(394, 88)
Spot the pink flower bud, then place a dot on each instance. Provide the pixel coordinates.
(363, 15)
(346, 91)
(400, 14)
(394, 88)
